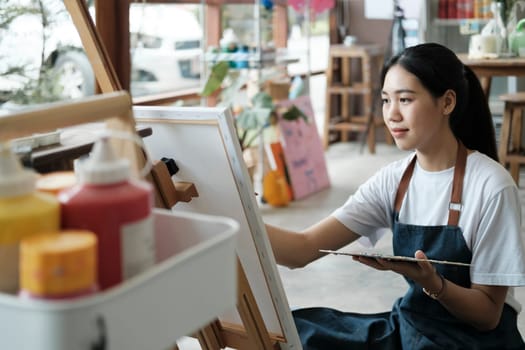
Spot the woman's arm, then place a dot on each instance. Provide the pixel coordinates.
(297, 249)
(480, 305)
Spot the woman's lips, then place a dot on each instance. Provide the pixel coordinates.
(398, 132)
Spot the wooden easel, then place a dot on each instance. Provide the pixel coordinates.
(216, 335)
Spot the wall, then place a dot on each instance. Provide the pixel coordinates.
(374, 31)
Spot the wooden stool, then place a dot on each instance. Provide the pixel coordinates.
(352, 102)
(510, 151)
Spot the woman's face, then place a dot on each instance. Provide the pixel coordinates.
(414, 117)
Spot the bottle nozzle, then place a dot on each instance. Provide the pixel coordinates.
(15, 180)
(102, 166)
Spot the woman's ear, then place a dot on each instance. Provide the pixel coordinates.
(449, 101)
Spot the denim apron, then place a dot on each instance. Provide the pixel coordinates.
(416, 321)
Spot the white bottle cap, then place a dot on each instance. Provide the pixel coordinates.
(102, 166)
(15, 180)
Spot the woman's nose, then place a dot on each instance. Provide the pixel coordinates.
(391, 111)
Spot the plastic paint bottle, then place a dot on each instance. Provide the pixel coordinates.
(117, 209)
(55, 182)
(23, 212)
(58, 265)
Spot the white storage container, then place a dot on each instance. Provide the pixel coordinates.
(193, 281)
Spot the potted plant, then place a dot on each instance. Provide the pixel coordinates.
(251, 120)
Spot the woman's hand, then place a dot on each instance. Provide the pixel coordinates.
(422, 272)
(480, 305)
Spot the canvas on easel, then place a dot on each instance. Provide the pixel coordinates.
(253, 250)
(203, 143)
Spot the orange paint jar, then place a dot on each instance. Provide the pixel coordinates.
(58, 265)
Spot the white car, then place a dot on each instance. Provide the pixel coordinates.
(165, 50)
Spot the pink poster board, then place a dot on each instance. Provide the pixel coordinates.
(303, 149)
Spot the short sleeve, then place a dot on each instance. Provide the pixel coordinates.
(368, 212)
(498, 249)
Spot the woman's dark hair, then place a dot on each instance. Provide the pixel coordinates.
(439, 69)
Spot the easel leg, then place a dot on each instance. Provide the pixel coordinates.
(250, 314)
(255, 335)
(209, 337)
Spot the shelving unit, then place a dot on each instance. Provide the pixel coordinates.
(447, 32)
(352, 94)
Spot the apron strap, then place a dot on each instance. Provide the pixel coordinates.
(454, 207)
(457, 185)
(403, 185)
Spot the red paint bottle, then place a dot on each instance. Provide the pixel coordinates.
(117, 209)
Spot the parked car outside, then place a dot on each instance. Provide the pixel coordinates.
(165, 50)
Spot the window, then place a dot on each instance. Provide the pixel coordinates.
(317, 43)
(165, 43)
(51, 64)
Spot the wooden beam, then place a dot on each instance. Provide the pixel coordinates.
(112, 20)
(106, 77)
(92, 43)
(333, 33)
(280, 25)
(213, 25)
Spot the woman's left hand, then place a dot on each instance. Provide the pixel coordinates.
(478, 305)
(419, 271)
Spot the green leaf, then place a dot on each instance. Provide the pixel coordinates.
(230, 93)
(294, 113)
(253, 118)
(262, 100)
(218, 72)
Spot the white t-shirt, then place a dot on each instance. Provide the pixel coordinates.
(490, 217)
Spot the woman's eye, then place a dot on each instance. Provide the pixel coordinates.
(405, 100)
(384, 101)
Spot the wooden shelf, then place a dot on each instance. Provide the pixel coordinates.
(453, 22)
(351, 94)
(341, 89)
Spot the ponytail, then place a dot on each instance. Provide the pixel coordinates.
(473, 123)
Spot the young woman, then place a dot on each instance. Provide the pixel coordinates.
(449, 200)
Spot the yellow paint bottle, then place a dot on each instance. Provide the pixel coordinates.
(23, 212)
